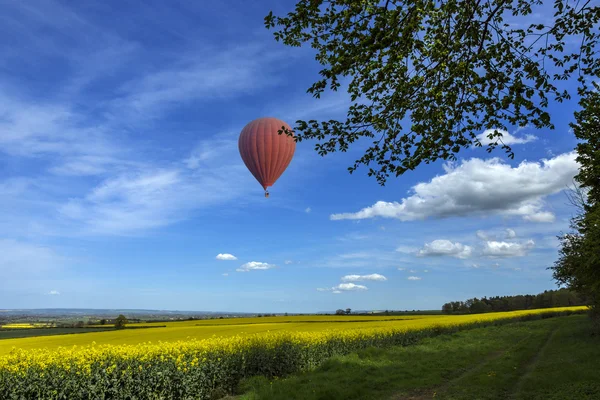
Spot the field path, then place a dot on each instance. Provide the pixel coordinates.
(430, 393)
(532, 364)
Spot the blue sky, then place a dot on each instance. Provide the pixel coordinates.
(121, 181)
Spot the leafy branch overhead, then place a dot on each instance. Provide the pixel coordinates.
(425, 77)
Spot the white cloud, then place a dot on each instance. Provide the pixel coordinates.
(510, 234)
(412, 271)
(54, 293)
(480, 187)
(255, 265)
(414, 278)
(543, 216)
(349, 287)
(506, 138)
(507, 249)
(226, 257)
(225, 274)
(359, 278)
(475, 265)
(401, 269)
(343, 287)
(307, 210)
(444, 247)
(425, 270)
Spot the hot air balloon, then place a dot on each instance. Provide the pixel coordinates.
(265, 152)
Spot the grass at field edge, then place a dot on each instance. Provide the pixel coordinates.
(553, 358)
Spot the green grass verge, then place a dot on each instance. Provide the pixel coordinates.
(554, 358)
(35, 332)
(38, 332)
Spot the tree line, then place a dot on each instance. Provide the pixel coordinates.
(548, 299)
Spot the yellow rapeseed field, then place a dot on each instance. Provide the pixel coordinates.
(178, 366)
(203, 329)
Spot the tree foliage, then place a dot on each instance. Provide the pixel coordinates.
(578, 266)
(426, 77)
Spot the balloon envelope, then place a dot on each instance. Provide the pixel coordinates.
(266, 153)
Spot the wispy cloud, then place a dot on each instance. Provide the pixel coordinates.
(31, 129)
(255, 266)
(23, 258)
(359, 278)
(136, 201)
(77, 134)
(202, 75)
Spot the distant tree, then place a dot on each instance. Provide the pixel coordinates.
(348, 310)
(120, 322)
(102, 321)
(550, 298)
(79, 324)
(286, 314)
(478, 307)
(339, 311)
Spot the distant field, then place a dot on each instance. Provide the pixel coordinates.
(204, 329)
